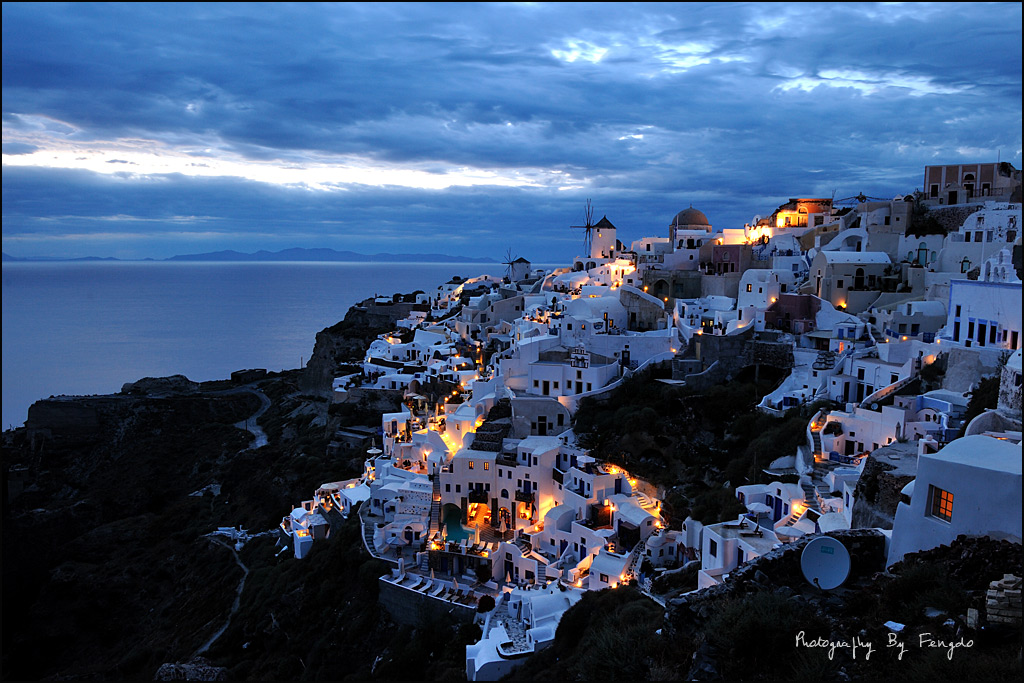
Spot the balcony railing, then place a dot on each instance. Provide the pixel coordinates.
(524, 496)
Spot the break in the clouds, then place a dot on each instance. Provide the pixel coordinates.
(149, 130)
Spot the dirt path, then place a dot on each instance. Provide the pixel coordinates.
(249, 424)
(234, 605)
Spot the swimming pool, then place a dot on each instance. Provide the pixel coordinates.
(453, 523)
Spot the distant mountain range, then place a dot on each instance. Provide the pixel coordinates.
(296, 254)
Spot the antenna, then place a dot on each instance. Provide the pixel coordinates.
(825, 563)
(588, 228)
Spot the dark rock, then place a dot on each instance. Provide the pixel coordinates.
(196, 669)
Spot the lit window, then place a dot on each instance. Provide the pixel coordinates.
(487, 466)
(471, 464)
(941, 503)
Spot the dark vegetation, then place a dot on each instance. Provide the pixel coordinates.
(747, 629)
(319, 619)
(698, 445)
(984, 396)
(921, 221)
(609, 635)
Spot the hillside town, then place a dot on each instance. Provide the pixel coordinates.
(890, 312)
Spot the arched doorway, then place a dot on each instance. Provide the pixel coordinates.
(504, 515)
(968, 185)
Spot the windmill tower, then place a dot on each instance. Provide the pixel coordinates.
(509, 264)
(588, 228)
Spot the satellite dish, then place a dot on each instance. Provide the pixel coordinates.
(825, 563)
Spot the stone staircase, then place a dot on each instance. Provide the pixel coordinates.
(633, 568)
(435, 504)
(522, 542)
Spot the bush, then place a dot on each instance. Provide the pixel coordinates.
(756, 634)
(485, 605)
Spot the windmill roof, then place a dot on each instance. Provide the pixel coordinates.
(605, 224)
(520, 260)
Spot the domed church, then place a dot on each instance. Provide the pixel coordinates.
(688, 219)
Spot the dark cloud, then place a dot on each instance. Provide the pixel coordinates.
(15, 148)
(738, 106)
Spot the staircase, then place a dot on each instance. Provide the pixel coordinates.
(435, 504)
(816, 441)
(368, 528)
(632, 569)
(811, 496)
(522, 541)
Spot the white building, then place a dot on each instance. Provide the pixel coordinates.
(985, 314)
(972, 487)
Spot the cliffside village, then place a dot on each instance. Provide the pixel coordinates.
(893, 309)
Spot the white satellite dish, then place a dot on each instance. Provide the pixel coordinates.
(825, 563)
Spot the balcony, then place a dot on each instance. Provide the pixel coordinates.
(478, 496)
(524, 496)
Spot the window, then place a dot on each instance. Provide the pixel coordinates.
(839, 284)
(750, 288)
(487, 466)
(471, 464)
(713, 547)
(941, 503)
(604, 578)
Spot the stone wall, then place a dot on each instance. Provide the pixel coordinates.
(952, 217)
(878, 490)
(412, 608)
(1010, 392)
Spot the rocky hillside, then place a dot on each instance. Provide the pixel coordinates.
(750, 627)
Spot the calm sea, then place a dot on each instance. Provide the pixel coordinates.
(87, 328)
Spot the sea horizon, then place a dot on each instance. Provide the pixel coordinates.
(88, 327)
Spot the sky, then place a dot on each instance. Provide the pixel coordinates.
(148, 130)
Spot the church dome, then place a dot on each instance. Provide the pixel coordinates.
(690, 216)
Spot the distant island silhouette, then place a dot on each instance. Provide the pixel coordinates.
(294, 254)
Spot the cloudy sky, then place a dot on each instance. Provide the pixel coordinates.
(153, 130)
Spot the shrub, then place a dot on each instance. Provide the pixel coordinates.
(485, 605)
